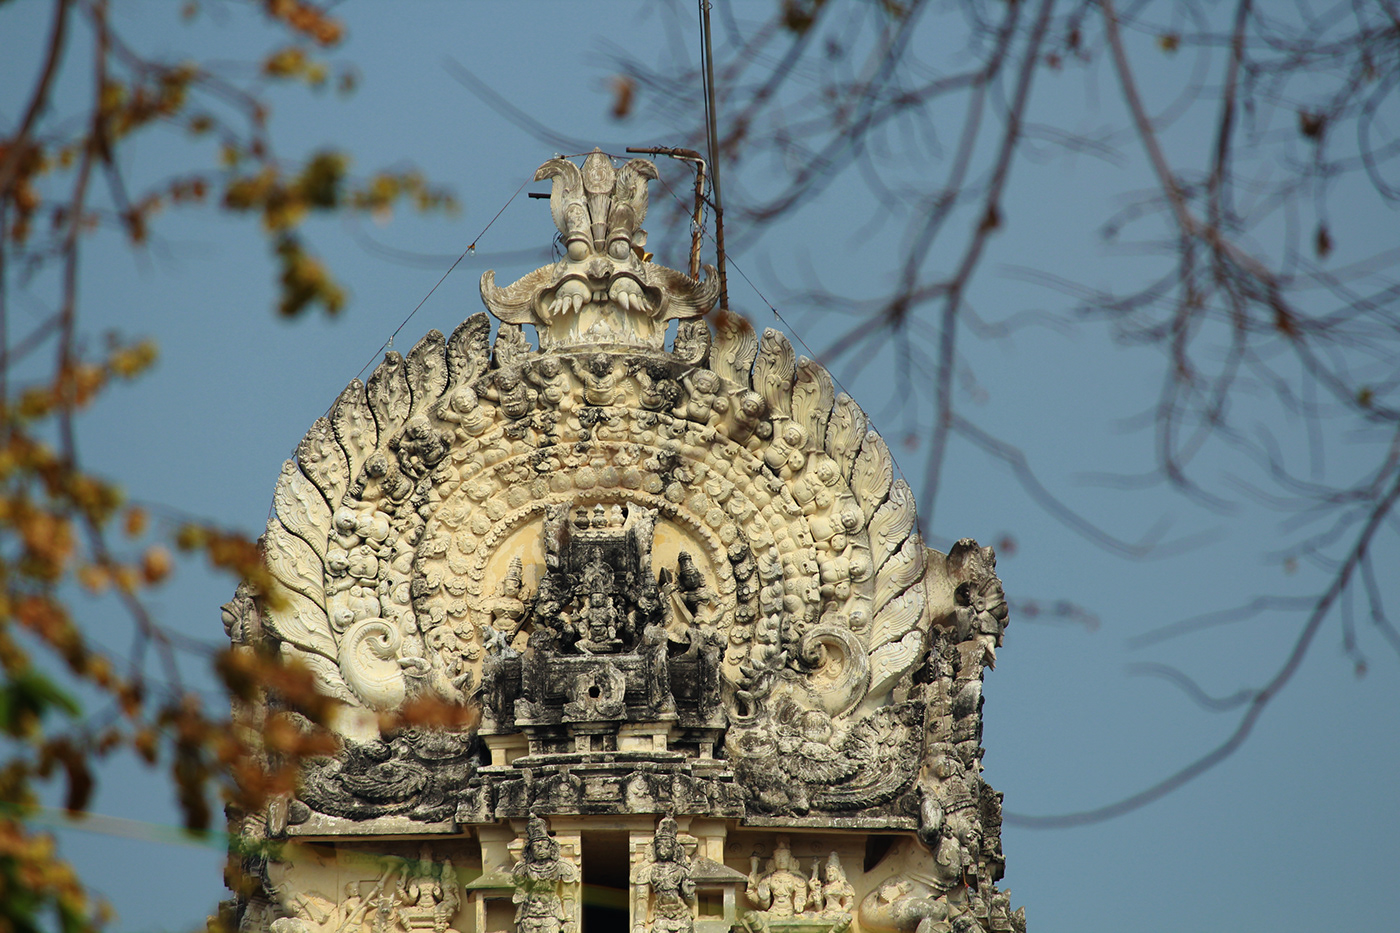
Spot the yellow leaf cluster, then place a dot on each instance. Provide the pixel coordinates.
(292, 62)
(307, 19)
(305, 281)
(32, 874)
(78, 384)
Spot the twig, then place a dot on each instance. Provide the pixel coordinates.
(1257, 704)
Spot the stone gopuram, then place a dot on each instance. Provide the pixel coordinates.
(722, 683)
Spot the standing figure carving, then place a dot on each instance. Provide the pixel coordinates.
(672, 891)
(538, 877)
(838, 895)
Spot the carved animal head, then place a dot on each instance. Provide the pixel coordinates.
(599, 210)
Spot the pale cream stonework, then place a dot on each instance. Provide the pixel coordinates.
(678, 581)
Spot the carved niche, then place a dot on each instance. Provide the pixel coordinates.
(677, 581)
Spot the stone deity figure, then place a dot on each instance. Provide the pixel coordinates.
(601, 378)
(554, 384)
(600, 623)
(788, 458)
(706, 402)
(382, 480)
(693, 592)
(420, 447)
(780, 892)
(656, 390)
(672, 891)
(537, 878)
(507, 608)
(463, 408)
(600, 618)
(508, 390)
(746, 420)
(547, 611)
(434, 894)
(838, 895)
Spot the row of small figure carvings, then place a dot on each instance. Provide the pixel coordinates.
(404, 895)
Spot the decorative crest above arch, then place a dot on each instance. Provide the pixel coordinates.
(603, 291)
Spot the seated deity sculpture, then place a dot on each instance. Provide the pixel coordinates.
(781, 891)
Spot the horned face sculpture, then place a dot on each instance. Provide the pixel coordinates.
(603, 290)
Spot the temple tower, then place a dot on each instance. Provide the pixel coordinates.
(722, 682)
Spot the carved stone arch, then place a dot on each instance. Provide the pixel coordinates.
(679, 580)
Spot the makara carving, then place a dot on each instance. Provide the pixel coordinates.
(681, 582)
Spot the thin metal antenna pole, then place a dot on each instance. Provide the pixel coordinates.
(697, 229)
(713, 134)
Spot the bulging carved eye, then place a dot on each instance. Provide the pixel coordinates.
(578, 250)
(618, 249)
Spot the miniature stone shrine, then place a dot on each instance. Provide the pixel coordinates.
(722, 683)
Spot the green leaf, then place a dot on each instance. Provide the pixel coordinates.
(27, 697)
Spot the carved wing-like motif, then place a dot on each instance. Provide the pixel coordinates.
(469, 350)
(735, 346)
(773, 371)
(844, 431)
(812, 398)
(886, 743)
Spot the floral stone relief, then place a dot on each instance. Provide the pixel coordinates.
(676, 581)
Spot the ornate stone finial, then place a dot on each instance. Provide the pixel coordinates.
(604, 291)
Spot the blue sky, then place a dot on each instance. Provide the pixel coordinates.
(1298, 831)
